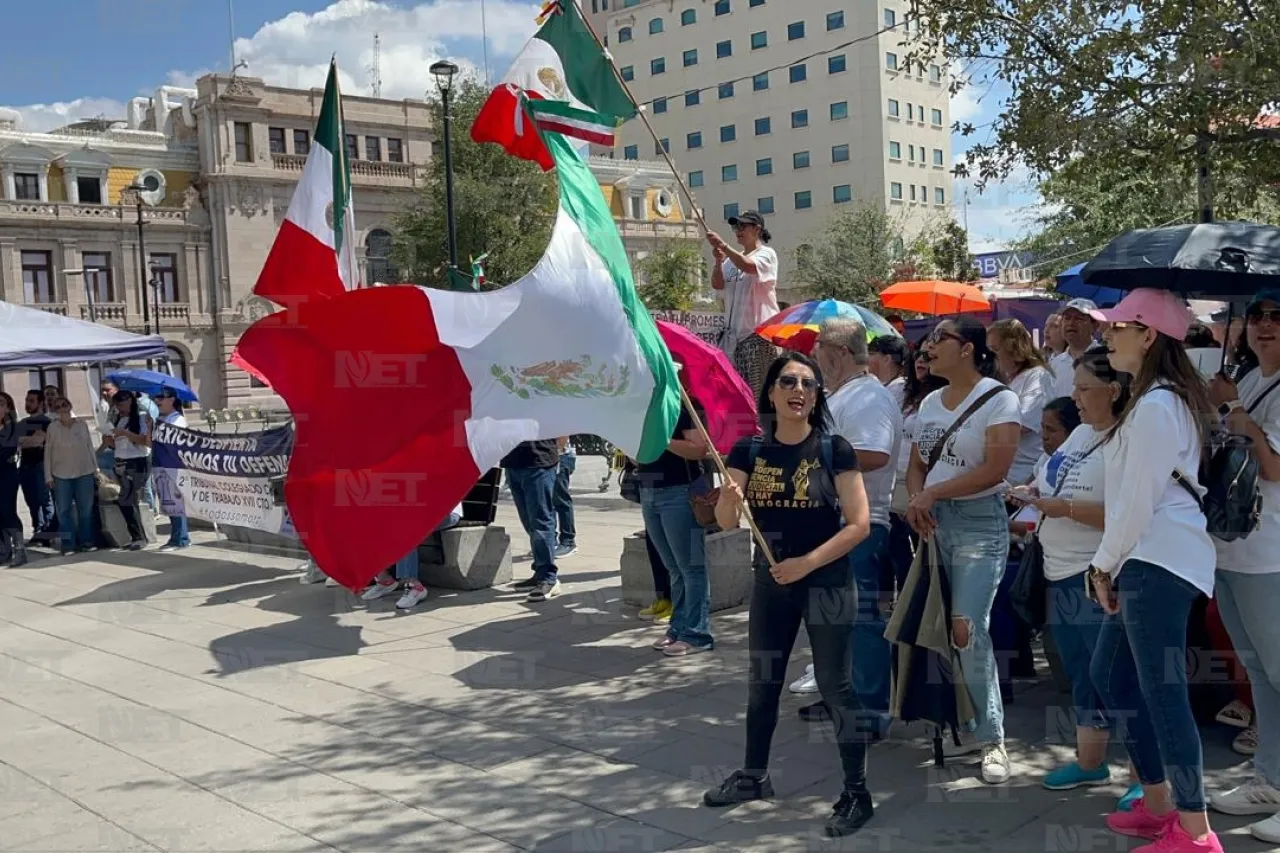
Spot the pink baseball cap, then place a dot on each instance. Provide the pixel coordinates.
(1162, 310)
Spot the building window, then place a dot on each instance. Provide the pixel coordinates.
(395, 151)
(911, 153)
(302, 142)
(800, 118)
(693, 141)
(800, 160)
(936, 118)
(724, 49)
(895, 191)
(37, 278)
(804, 200)
(695, 180)
(43, 377)
(759, 40)
(89, 190)
(624, 35)
(655, 26)
(840, 153)
(837, 64)
(939, 195)
(799, 73)
(628, 73)
(688, 16)
(97, 276)
(352, 146)
(795, 31)
(377, 253)
(764, 167)
(26, 186)
(764, 126)
(164, 277)
(275, 140)
(659, 106)
(658, 66)
(662, 146)
(728, 132)
(631, 152)
(891, 61)
(373, 148)
(894, 109)
(760, 82)
(244, 142)
(690, 57)
(730, 210)
(937, 156)
(722, 7)
(726, 91)
(692, 98)
(636, 207)
(935, 74)
(890, 19)
(895, 150)
(764, 205)
(835, 21)
(754, 3)
(920, 115)
(178, 364)
(728, 174)
(842, 194)
(840, 111)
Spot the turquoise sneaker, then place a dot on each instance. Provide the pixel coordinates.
(1075, 776)
(1130, 797)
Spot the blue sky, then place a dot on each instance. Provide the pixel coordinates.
(108, 51)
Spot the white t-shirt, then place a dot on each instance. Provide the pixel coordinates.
(866, 416)
(1070, 545)
(749, 299)
(1150, 517)
(1034, 388)
(898, 388)
(1064, 374)
(967, 447)
(175, 418)
(126, 449)
(1260, 553)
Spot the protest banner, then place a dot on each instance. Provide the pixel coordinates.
(226, 479)
(705, 324)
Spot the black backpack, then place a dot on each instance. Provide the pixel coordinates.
(1232, 503)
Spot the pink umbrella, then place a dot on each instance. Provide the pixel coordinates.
(709, 377)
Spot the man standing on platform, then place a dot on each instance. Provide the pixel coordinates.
(748, 282)
(531, 472)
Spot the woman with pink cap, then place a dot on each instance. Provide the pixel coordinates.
(1155, 558)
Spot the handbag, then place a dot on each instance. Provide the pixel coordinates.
(629, 483)
(704, 494)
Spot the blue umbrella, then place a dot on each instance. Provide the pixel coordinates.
(1071, 283)
(151, 382)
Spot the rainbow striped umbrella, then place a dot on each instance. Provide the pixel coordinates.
(796, 328)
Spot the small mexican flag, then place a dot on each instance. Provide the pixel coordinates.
(314, 251)
(469, 376)
(562, 63)
(477, 269)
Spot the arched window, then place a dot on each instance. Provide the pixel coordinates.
(624, 34)
(178, 367)
(655, 26)
(377, 252)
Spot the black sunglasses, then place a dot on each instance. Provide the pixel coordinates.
(937, 336)
(1257, 315)
(789, 382)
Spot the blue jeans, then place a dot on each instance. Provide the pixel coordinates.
(1140, 671)
(1075, 623)
(973, 543)
(564, 501)
(38, 497)
(533, 491)
(1248, 605)
(668, 517)
(77, 490)
(407, 566)
(871, 655)
(179, 532)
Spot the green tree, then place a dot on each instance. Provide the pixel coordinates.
(1179, 84)
(504, 206)
(948, 253)
(855, 257)
(668, 278)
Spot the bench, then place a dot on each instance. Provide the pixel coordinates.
(475, 554)
(728, 569)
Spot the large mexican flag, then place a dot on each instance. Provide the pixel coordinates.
(404, 396)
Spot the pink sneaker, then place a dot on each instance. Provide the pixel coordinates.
(1176, 840)
(1139, 822)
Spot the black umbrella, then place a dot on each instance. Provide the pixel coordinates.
(1211, 260)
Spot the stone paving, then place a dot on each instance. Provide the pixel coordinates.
(207, 701)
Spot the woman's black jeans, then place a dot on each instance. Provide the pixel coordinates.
(10, 521)
(661, 579)
(133, 474)
(827, 603)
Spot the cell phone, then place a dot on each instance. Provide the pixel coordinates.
(1022, 494)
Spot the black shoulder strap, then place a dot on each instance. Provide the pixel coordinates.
(757, 442)
(936, 453)
(828, 455)
(1258, 402)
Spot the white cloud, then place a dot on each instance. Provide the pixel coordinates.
(998, 215)
(965, 105)
(40, 117)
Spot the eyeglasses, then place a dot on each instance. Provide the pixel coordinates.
(789, 382)
(937, 336)
(1257, 315)
(1121, 326)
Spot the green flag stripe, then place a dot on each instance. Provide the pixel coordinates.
(329, 134)
(587, 71)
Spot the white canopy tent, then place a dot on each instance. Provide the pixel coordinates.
(30, 337)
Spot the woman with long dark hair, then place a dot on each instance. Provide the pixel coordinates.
(802, 485)
(10, 521)
(966, 438)
(131, 439)
(1154, 560)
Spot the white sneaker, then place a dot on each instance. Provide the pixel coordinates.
(1267, 830)
(995, 765)
(311, 573)
(805, 683)
(544, 591)
(378, 590)
(1255, 796)
(414, 594)
(330, 582)
(969, 745)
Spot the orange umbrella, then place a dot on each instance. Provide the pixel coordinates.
(934, 297)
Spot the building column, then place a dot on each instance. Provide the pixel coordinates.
(72, 286)
(10, 186)
(127, 283)
(10, 274)
(69, 182)
(44, 181)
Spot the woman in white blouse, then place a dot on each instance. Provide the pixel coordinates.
(1021, 366)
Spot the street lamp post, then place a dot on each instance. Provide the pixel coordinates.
(138, 189)
(444, 72)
